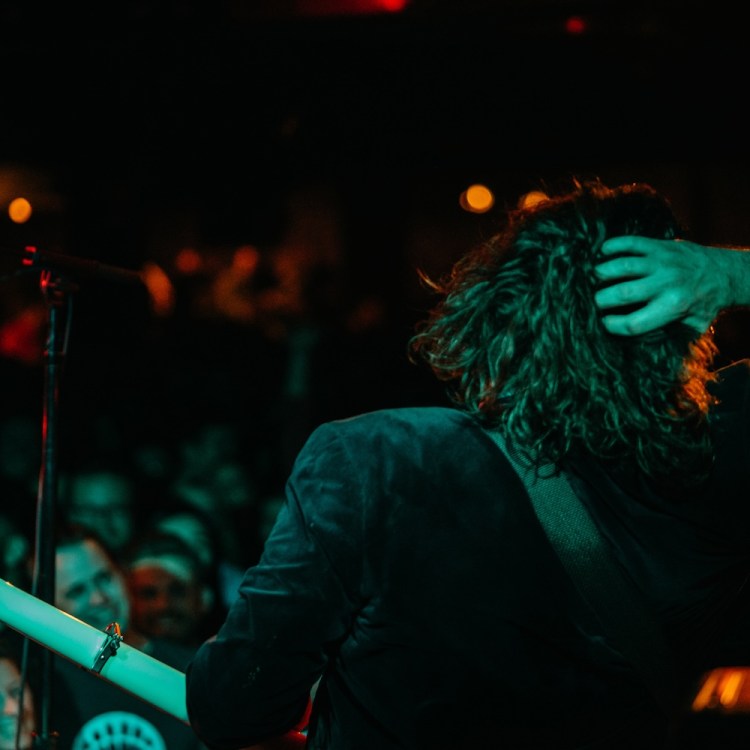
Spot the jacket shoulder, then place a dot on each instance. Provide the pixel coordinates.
(417, 421)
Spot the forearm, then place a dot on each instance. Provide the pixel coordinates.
(735, 269)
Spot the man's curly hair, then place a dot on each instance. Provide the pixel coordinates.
(519, 342)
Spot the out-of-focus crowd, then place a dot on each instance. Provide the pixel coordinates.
(177, 418)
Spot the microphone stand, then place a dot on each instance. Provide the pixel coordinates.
(56, 288)
(56, 292)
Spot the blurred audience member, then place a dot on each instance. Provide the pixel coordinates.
(101, 496)
(19, 479)
(197, 529)
(17, 711)
(88, 582)
(171, 593)
(15, 551)
(90, 585)
(213, 476)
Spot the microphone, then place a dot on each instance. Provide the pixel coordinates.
(69, 265)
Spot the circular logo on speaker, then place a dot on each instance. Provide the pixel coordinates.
(119, 729)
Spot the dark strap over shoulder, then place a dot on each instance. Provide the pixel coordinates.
(590, 562)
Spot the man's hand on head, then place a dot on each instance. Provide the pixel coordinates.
(648, 283)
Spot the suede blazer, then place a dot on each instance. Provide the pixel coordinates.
(408, 573)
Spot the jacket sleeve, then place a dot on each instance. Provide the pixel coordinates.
(252, 680)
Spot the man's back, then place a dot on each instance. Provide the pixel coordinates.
(410, 554)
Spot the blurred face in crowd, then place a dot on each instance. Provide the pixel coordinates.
(10, 704)
(167, 600)
(103, 502)
(89, 586)
(15, 551)
(192, 531)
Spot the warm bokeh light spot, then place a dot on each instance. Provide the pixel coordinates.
(731, 690)
(532, 198)
(19, 210)
(160, 289)
(245, 260)
(477, 199)
(724, 689)
(188, 260)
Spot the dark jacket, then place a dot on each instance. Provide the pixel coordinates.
(408, 569)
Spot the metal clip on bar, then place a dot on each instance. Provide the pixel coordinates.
(109, 647)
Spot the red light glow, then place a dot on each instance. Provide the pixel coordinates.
(188, 260)
(576, 25)
(348, 7)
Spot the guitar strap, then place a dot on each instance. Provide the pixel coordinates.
(590, 562)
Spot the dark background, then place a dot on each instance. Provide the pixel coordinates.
(225, 111)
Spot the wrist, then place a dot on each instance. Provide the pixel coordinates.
(735, 264)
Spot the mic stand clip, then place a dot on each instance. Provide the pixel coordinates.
(109, 647)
